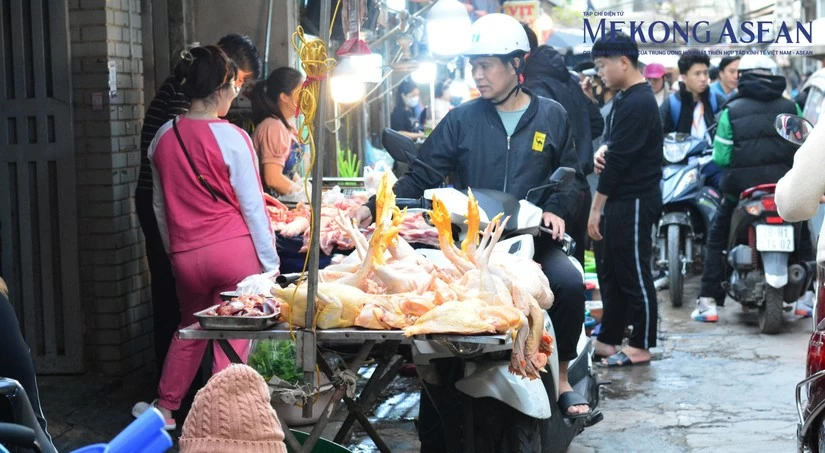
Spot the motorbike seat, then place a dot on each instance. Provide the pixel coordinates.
(758, 191)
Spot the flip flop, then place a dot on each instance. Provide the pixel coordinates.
(619, 359)
(570, 399)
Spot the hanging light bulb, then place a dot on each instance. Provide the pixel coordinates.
(448, 28)
(425, 74)
(346, 84)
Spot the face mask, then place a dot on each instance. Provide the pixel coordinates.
(411, 102)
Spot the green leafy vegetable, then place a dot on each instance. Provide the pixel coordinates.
(348, 164)
(276, 358)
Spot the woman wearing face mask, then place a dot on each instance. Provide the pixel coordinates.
(210, 209)
(404, 118)
(274, 105)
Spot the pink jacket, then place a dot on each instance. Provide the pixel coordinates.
(188, 216)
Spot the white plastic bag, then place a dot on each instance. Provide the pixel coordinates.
(298, 195)
(258, 284)
(373, 175)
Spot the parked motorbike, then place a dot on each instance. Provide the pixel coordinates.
(688, 208)
(766, 270)
(19, 428)
(482, 406)
(810, 393)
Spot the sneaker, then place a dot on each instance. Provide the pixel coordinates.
(141, 407)
(805, 305)
(705, 310)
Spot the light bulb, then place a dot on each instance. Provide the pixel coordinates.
(448, 28)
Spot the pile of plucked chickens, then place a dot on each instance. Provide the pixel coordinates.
(386, 284)
(292, 222)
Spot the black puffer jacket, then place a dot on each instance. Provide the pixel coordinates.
(546, 75)
(471, 146)
(760, 155)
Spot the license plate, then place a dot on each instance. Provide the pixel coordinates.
(774, 238)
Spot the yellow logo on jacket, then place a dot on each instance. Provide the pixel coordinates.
(538, 141)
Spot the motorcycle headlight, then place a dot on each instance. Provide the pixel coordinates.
(675, 152)
(688, 178)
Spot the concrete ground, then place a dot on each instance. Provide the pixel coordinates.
(712, 387)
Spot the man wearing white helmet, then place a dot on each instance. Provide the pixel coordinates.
(509, 140)
(752, 153)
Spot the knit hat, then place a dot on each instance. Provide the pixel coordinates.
(231, 414)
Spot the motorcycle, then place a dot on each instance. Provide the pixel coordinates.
(482, 405)
(810, 393)
(19, 428)
(766, 270)
(688, 208)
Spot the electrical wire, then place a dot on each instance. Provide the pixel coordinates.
(316, 64)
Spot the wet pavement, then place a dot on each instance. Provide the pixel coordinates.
(712, 387)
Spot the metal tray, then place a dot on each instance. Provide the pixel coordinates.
(211, 322)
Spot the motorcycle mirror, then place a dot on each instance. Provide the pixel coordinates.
(401, 148)
(562, 175)
(793, 128)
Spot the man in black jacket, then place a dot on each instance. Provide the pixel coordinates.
(545, 74)
(630, 163)
(747, 145)
(693, 109)
(696, 103)
(510, 140)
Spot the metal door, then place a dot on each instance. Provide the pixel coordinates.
(38, 212)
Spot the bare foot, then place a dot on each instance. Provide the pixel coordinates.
(604, 350)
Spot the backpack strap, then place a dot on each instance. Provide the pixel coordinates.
(675, 108)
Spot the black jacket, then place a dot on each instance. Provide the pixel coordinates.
(634, 138)
(471, 146)
(546, 75)
(686, 115)
(760, 155)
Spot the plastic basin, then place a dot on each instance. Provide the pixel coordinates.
(323, 445)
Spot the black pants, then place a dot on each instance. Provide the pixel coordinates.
(16, 363)
(567, 284)
(577, 227)
(165, 305)
(713, 274)
(625, 278)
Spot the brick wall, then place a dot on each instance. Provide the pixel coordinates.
(113, 271)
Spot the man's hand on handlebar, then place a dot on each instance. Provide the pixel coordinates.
(363, 216)
(555, 223)
(598, 159)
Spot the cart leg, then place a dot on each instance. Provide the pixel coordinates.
(371, 389)
(353, 408)
(229, 351)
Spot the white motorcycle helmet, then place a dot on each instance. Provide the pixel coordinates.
(497, 35)
(760, 63)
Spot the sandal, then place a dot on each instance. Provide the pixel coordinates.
(570, 399)
(620, 359)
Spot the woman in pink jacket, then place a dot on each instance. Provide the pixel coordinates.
(210, 209)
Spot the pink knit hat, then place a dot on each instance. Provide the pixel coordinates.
(231, 414)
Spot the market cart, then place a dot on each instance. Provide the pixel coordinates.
(309, 353)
